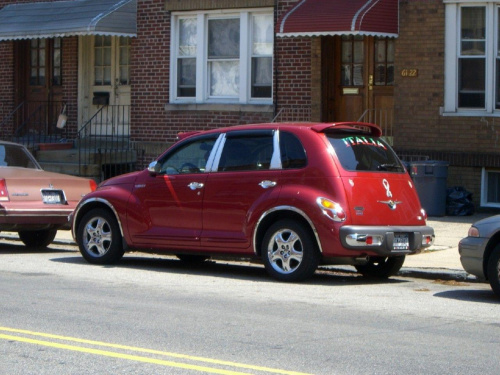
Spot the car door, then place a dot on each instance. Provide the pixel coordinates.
(244, 184)
(171, 198)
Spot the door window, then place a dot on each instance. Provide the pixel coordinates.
(38, 63)
(384, 62)
(250, 151)
(189, 157)
(293, 154)
(353, 57)
(124, 60)
(102, 60)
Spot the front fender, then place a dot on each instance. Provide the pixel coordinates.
(106, 199)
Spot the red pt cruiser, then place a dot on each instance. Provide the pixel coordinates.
(294, 195)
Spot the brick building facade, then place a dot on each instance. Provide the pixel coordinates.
(304, 67)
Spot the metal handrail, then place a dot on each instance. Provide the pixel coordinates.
(34, 122)
(293, 114)
(104, 141)
(383, 117)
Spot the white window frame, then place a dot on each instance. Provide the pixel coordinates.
(202, 74)
(452, 54)
(484, 188)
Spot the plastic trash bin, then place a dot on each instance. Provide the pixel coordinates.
(429, 177)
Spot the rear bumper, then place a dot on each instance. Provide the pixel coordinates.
(380, 239)
(15, 220)
(471, 250)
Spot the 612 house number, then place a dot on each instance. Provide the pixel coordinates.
(409, 73)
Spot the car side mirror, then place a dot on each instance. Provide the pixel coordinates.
(154, 168)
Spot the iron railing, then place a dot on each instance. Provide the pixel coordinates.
(383, 117)
(293, 114)
(104, 147)
(34, 122)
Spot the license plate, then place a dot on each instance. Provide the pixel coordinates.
(53, 197)
(401, 241)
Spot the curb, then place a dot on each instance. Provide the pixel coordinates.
(419, 273)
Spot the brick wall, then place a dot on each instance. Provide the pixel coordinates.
(70, 83)
(6, 84)
(467, 143)
(293, 78)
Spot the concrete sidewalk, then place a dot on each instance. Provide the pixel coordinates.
(443, 256)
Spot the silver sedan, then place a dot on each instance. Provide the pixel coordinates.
(480, 251)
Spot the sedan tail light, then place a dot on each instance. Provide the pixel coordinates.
(4, 194)
(93, 185)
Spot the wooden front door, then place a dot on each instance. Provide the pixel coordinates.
(39, 82)
(111, 85)
(358, 76)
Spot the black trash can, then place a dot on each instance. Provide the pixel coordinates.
(429, 177)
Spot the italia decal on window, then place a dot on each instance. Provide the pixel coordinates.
(367, 141)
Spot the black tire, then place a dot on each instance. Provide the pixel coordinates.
(37, 238)
(99, 238)
(192, 259)
(381, 267)
(289, 251)
(493, 270)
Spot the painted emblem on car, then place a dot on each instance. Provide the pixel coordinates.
(391, 203)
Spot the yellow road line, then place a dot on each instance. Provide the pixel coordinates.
(120, 355)
(136, 349)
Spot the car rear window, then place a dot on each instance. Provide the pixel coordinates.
(364, 153)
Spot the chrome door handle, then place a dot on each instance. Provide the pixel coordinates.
(195, 185)
(266, 184)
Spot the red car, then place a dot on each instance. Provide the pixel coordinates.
(294, 195)
(33, 202)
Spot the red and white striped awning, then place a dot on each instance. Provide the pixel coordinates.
(340, 17)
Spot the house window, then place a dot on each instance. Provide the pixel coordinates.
(472, 62)
(490, 194)
(472, 58)
(262, 52)
(186, 58)
(222, 57)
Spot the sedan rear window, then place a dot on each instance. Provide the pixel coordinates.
(15, 156)
(364, 153)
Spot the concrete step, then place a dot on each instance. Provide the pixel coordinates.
(91, 170)
(72, 156)
(67, 156)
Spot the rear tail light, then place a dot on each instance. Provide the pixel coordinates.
(427, 240)
(4, 194)
(360, 239)
(331, 209)
(93, 185)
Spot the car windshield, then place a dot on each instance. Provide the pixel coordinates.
(15, 156)
(364, 153)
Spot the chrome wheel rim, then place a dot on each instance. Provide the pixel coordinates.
(285, 251)
(97, 237)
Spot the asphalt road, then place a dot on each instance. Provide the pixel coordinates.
(156, 315)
